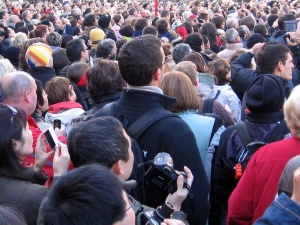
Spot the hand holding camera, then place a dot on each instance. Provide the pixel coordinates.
(293, 38)
(183, 186)
(41, 154)
(61, 160)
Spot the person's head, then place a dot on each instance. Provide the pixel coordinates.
(77, 73)
(39, 54)
(248, 21)
(232, 23)
(232, 36)
(10, 216)
(244, 31)
(285, 17)
(140, 61)
(219, 21)
(106, 49)
(59, 89)
(90, 194)
(275, 58)
(19, 39)
(260, 100)
(198, 60)
(27, 15)
(41, 31)
(162, 26)
(96, 35)
(22, 62)
(195, 41)
(103, 79)
(89, 20)
(164, 14)
(261, 29)
(15, 136)
(60, 60)
(179, 51)
(42, 104)
(140, 23)
(118, 18)
(220, 68)
(126, 31)
(271, 19)
(177, 84)
(292, 112)
(150, 30)
(48, 23)
(102, 141)
(132, 11)
(53, 39)
(188, 26)
(189, 69)
(210, 31)
(5, 67)
(104, 21)
(19, 89)
(77, 51)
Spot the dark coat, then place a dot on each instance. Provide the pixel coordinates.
(19, 191)
(43, 73)
(171, 135)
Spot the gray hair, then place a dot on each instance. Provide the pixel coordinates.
(230, 35)
(16, 84)
(19, 39)
(105, 47)
(54, 39)
(232, 23)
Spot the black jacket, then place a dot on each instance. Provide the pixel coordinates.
(171, 135)
(43, 73)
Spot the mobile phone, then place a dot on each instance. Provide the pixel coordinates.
(290, 26)
(57, 124)
(51, 138)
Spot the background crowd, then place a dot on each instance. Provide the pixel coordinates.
(224, 69)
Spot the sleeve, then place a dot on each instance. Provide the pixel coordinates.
(69, 30)
(185, 153)
(241, 201)
(235, 105)
(282, 211)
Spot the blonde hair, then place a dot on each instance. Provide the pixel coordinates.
(5, 67)
(177, 84)
(189, 69)
(292, 112)
(19, 39)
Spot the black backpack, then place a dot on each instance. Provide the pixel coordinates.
(250, 146)
(135, 130)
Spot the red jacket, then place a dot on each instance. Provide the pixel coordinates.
(258, 186)
(48, 168)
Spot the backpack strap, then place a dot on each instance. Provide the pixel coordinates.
(243, 133)
(217, 124)
(146, 120)
(208, 103)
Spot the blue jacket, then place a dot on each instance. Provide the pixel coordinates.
(282, 211)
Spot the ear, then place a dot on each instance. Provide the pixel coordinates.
(117, 168)
(16, 145)
(279, 66)
(27, 96)
(157, 75)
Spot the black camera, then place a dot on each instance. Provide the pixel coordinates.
(162, 174)
(158, 216)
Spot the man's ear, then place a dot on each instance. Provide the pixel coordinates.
(117, 168)
(279, 66)
(16, 145)
(157, 74)
(27, 96)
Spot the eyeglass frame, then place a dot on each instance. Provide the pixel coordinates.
(132, 200)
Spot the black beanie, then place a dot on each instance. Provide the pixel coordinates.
(265, 94)
(12, 54)
(104, 21)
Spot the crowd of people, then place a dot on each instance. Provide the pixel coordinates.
(211, 85)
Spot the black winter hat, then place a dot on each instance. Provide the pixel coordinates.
(12, 54)
(265, 94)
(254, 39)
(104, 21)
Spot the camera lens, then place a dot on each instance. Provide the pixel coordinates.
(164, 211)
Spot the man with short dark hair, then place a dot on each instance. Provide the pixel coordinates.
(141, 62)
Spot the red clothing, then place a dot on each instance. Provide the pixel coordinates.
(48, 168)
(57, 107)
(258, 186)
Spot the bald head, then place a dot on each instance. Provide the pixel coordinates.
(19, 89)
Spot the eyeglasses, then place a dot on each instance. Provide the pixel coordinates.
(13, 113)
(166, 60)
(132, 202)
